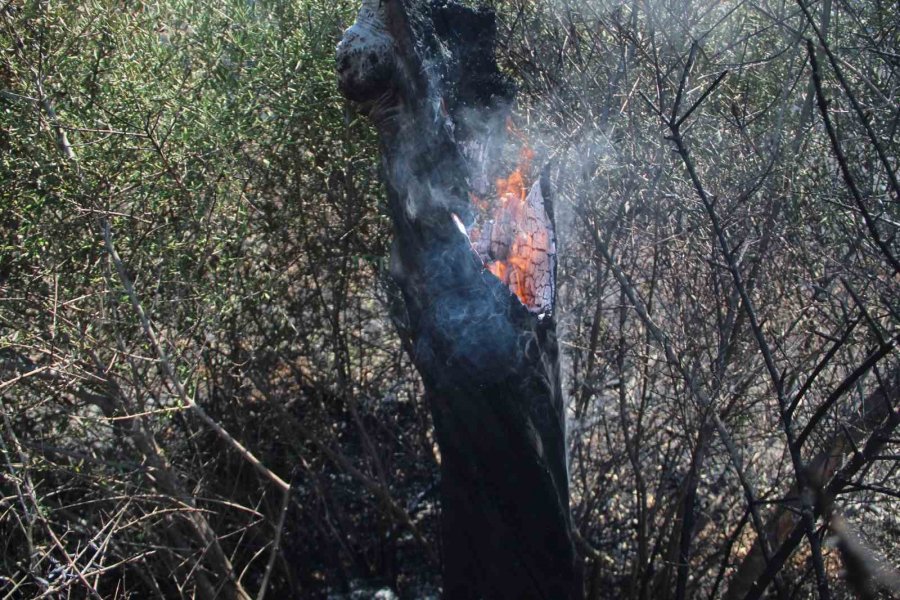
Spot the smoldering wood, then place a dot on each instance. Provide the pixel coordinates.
(425, 75)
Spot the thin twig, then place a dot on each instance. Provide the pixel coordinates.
(169, 371)
(709, 90)
(838, 482)
(845, 385)
(838, 344)
(882, 156)
(807, 513)
(276, 542)
(693, 387)
(842, 162)
(683, 81)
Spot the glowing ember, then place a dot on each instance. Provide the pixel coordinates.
(516, 239)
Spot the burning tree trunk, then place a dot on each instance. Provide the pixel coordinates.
(478, 287)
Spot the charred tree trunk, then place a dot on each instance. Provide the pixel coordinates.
(426, 76)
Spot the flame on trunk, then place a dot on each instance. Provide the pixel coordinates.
(514, 235)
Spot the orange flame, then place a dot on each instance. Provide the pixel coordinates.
(519, 245)
(514, 185)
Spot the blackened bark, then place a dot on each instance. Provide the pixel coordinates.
(426, 76)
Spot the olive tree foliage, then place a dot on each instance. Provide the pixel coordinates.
(729, 276)
(191, 310)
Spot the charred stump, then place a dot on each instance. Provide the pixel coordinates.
(478, 286)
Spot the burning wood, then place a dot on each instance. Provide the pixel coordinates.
(476, 268)
(517, 241)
